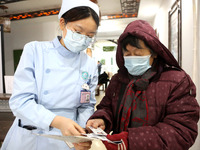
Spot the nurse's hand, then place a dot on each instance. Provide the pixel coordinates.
(83, 146)
(67, 126)
(70, 127)
(96, 123)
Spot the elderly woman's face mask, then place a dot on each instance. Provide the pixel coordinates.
(137, 60)
(137, 65)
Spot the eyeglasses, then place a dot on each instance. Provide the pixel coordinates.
(77, 36)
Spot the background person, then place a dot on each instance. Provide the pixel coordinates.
(48, 83)
(103, 79)
(150, 103)
(99, 65)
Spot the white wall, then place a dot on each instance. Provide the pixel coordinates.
(161, 24)
(196, 53)
(161, 21)
(187, 36)
(24, 31)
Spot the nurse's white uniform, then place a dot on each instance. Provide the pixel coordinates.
(47, 83)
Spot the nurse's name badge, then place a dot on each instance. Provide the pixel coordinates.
(85, 75)
(85, 97)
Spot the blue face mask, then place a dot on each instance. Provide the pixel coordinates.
(76, 42)
(137, 65)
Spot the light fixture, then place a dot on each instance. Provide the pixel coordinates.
(29, 15)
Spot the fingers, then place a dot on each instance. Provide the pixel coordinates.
(92, 123)
(89, 123)
(102, 127)
(73, 129)
(79, 128)
(83, 146)
(76, 130)
(95, 123)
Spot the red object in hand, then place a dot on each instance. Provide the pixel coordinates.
(123, 136)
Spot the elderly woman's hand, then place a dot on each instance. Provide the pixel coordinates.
(96, 123)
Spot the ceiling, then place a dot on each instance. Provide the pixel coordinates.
(147, 8)
(147, 11)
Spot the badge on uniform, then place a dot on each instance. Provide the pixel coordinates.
(85, 93)
(85, 96)
(85, 75)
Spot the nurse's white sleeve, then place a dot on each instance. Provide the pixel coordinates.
(23, 101)
(86, 110)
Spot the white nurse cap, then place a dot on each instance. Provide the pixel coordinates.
(69, 4)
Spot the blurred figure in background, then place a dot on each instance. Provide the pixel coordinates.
(103, 79)
(99, 65)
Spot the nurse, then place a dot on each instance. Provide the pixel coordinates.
(54, 84)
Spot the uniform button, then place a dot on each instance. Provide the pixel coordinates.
(48, 70)
(40, 132)
(46, 92)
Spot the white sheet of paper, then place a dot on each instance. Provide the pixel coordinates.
(72, 139)
(98, 131)
(97, 134)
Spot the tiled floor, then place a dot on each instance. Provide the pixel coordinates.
(99, 98)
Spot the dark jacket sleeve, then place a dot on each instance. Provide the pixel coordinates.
(178, 128)
(104, 109)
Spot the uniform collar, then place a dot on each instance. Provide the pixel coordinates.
(61, 49)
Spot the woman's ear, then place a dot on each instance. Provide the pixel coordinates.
(62, 24)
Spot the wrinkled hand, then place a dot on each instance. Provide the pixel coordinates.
(96, 123)
(123, 136)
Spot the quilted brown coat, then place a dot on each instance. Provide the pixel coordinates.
(173, 109)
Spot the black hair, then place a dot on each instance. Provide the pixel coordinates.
(79, 13)
(134, 41)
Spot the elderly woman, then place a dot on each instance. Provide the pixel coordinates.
(150, 103)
